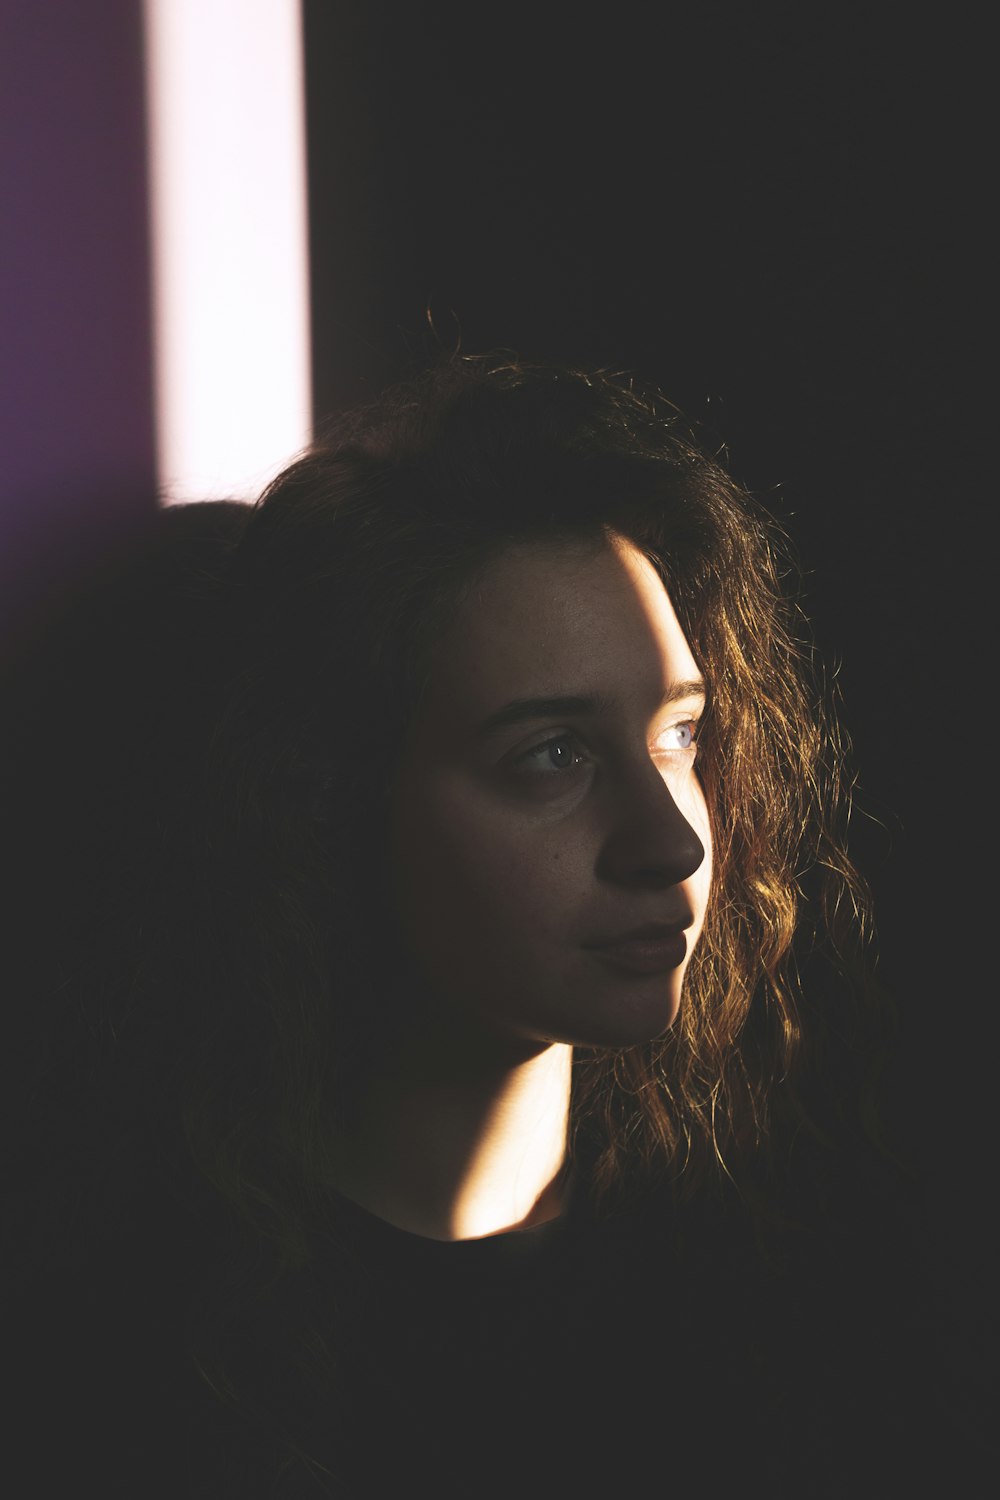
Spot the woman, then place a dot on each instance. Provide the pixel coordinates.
(477, 976)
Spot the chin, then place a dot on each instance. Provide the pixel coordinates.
(627, 1022)
(617, 1034)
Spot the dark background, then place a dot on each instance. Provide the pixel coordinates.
(773, 212)
(770, 212)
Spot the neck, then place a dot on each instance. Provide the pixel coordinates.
(459, 1143)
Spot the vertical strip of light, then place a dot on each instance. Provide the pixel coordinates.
(229, 243)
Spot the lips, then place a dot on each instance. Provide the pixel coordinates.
(653, 949)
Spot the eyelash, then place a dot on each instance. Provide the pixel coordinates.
(570, 736)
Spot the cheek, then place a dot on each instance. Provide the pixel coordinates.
(467, 880)
(701, 821)
(692, 803)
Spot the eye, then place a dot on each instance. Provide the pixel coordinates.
(680, 738)
(562, 753)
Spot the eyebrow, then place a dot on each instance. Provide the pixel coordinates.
(522, 709)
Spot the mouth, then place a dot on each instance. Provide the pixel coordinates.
(655, 949)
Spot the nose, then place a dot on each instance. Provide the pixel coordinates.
(649, 841)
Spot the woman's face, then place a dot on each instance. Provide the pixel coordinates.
(547, 803)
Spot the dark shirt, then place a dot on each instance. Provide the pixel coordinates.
(587, 1356)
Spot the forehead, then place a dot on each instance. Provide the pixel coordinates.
(566, 617)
